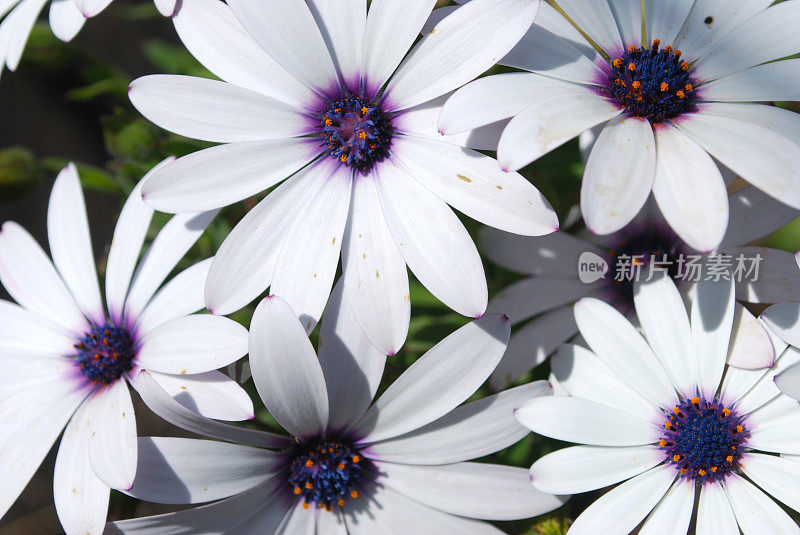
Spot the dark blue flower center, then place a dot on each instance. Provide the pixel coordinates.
(326, 473)
(652, 83)
(703, 439)
(105, 353)
(356, 132)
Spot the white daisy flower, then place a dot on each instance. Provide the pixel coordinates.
(668, 417)
(66, 20)
(66, 361)
(313, 90)
(554, 281)
(672, 99)
(394, 466)
(784, 320)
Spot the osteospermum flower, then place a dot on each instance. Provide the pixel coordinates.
(320, 91)
(395, 466)
(66, 20)
(667, 417)
(672, 99)
(556, 275)
(66, 359)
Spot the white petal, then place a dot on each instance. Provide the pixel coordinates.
(712, 322)
(222, 175)
(755, 512)
(584, 468)
(586, 422)
(269, 518)
(697, 37)
(714, 513)
(306, 265)
(286, 370)
(597, 20)
(65, 20)
(665, 19)
(532, 344)
(765, 275)
(773, 81)
(391, 29)
(673, 514)
(789, 381)
(532, 296)
(766, 159)
(29, 276)
(210, 31)
(181, 296)
(474, 184)
(755, 215)
(244, 264)
(174, 240)
(112, 447)
(81, 499)
(352, 366)
(438, 381)
(665, 322)
(776, 475)
(619, 174)
(297, 521)
(214, 111)
(763, 387)
(585, 376)
(474, 430)
(459, 48)
(287, 31)
(690, 190)
(374, 273)
(778, 120)
(750, 346)
(342, 24)
(784, 320)
(550, 122)
(192, 344)
(186, 470)
(92, 8)
(211, 394)
(472, 490)
(628, 14)
(129, 236)
(615, 340)
(71, 244)
(173, 412)
(15, 30)
(22, 330)
(621, 509)
(167, 7)
(433, 242)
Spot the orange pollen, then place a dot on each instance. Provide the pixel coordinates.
(695, 400)
(354, 494)
(657, 42)
(309, 486)
(664, 86)
(305, 505)
(701, 472)
(356, 459)
(726, 412)
(309, 463)
(688, 87)
(676, 458)
(631, 66)
(362, 135)
(298, 490)
(341, 466)
(662, 443)
(729, 458)
(341, 503)
(714, 469)
(631, 49)
(685, 66)
(617, 63)
(668, 48)
(677, 411)
(739, 429)
(637, 84)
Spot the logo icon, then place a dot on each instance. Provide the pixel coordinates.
(591, 267)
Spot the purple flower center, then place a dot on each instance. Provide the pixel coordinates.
(652, 83)
(326, 473)
(104, 353)
(703, 439)
(356, 131)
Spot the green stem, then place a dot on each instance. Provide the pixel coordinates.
(563, 13)
(644, 25)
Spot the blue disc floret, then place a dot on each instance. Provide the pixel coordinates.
(104, 353)
(703, 439)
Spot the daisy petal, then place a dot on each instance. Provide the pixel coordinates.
(584, 468)
(789, 382)
(211, 394)
(780, 121)
(690, 190)
(23, 331)
(755, 512)
(167, 7)
(352, 366)
(697, 37)
(192, 344)
(597, 20)
(287, 31)
(614, 339)
(286, 371)
(766, 275)
(475, 185)
(457, 365)
(206, 180)
(750, 346)
(474, 430)
(776, 475)
(174, 240)
(712, 322)
(620, 510)
(296, 521)
(112, 423)
(673, 514)
(532, 296)
(81, 499)
(773, 81)
(29, 276)
(216, 111)
(342, 24)
(306, 265)
(714, 513)
(784, 320)
(628, 14)
(619, 174)
(762, 386)
(665, 19)
(91, 8)
(755, 215)
(186, 470)
(586, 422)
(459, 48)
(374, 273)
(433, 242)
(472, 490)
(15, 30)
(65, 20)
(549, 123)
